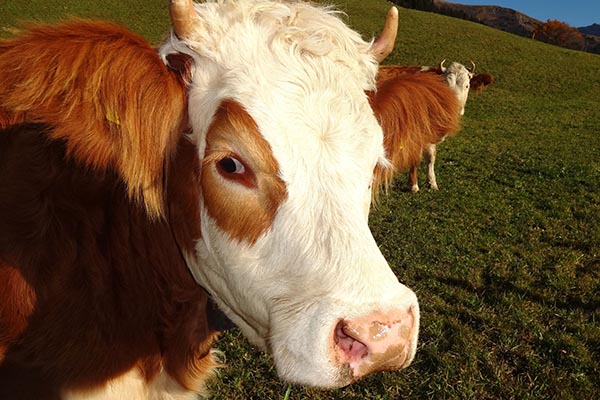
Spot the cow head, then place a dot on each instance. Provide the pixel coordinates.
(288, 144)
(458, 78)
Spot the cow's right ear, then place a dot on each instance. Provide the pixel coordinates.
(181, 64)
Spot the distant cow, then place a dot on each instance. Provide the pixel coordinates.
(457, 78)
(416, 111)
(481, 81)
(456, 75)
(134, 185)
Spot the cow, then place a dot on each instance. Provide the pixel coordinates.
(416, 111)
(456, 75)
(407, 142)
(234, 166)
(481, 81)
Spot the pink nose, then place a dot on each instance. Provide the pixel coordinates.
(376, 342)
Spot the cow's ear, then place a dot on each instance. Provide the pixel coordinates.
(181, 64)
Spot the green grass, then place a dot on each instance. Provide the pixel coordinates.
(505, 258)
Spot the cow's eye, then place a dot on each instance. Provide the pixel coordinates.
(233, 169)
(231, 165)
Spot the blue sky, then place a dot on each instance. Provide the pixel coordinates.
(576, 13)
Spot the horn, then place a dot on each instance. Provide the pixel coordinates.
(472, 70)
(183, 17)
(384, 44)
(442, 65)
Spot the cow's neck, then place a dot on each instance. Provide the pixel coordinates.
(184, 216)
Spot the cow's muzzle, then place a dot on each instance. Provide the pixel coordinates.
(377, 341)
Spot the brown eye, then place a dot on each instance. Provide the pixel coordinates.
(235, 170)
(231, 165)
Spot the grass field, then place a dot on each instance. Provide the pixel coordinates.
(505, 258)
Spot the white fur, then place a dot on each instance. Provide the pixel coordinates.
(458, 78)
(430, 152)
(301, 74)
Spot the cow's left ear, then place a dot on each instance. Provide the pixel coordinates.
(181, 64)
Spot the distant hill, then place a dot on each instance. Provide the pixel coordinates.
(593, 29)
(505, 19)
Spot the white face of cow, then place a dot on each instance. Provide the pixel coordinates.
(458, 78)
(289, 142)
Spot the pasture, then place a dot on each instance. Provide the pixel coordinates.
(505, 258)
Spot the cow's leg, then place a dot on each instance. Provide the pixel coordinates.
(430, 153)
(413, 183)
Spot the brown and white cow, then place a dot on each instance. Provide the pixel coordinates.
(410, 138)
(416, 111)
(241, 166)
(457, 76)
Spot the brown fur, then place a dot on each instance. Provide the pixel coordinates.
(414, 110)
(91, 284)
(481, 81)
(243, 214)
(83, 77)
(386, 72)
(100, 287)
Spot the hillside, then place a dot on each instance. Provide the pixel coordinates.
(505, 19)
(505, 258)
(593, 29)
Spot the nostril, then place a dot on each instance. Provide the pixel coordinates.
(346, 339)
(376, 341)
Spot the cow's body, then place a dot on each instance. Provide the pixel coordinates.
(416, 110)
(129, 188)
(95, 289)
(407, 142)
